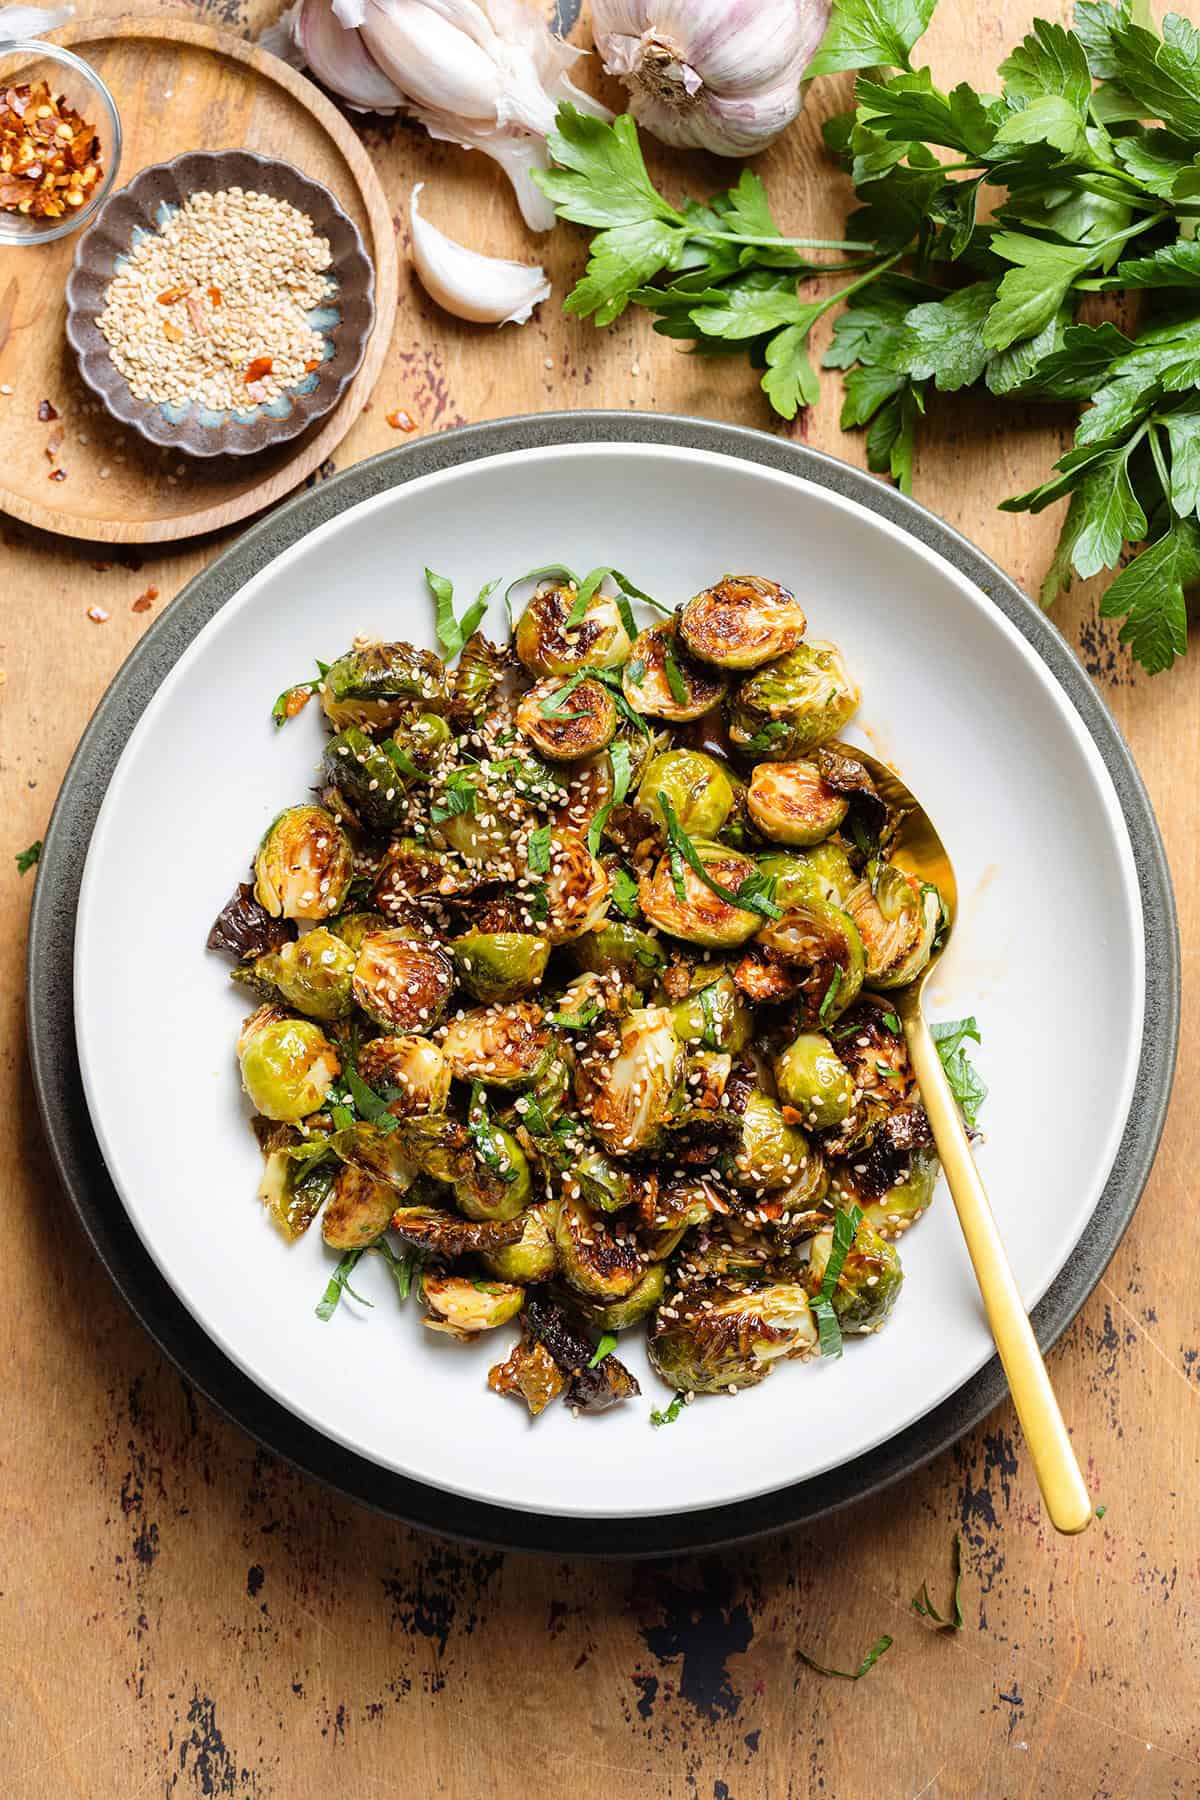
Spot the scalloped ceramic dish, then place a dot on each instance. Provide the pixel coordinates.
(141, 207)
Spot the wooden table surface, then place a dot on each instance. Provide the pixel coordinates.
(181, 1615)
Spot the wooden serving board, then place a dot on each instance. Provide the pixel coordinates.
(178, 86)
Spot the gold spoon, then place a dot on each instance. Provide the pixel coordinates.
(920, 851)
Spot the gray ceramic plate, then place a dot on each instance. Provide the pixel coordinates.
(56, 1073)
(345, 323)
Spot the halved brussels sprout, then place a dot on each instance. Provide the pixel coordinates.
(791, 804)
(533, 1257)
(606, 1184)
(359, 1211)
(578, 888)
(372, 785)
(868, 1284)
(714, 1016)
(303, 866)
(412, 871)
(477, 675)
(288, 1065)
(590, 1389)
(625, 1087)
(463, 1308)
(382, 1154)
(663, 681)
(499, 965)
(295, 1184)
(502, 1046)
(409, 1071)
(832, 871)
(677, 1208)
(735, 1341)
(374, 687)
(312, 974)
(899, 1206)
(447, 1235)
(531, 1372)
(771, 1153)
(821, 946)
(353, 927)
(592, 1257)
(546, 647)
(793, 705)
(870, 1042)
(696, 914)
(812, 1077)
(486, 831)
(636, 956)
(897, 918)
(697, 787)
(742, 622)
(567, 720)
(403, 983)
(498, 1185)
(619, 1315)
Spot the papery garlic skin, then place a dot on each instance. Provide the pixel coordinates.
(719, 75)
(339, 58)
(487, 290)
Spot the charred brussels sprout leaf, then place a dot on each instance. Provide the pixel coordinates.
(244, 928)
(303, 866)
(475, 681)
(288, 1065)
(446, 1236)
(742, 622)
(577, 888)
(811, 1077)
(636, 956)
(359, 1211)
(530, 1372)
(372, 784)
(402, 983)
(791, 706)
(463, 1308)
(900, 1205)
(697, 787)
(295, 1184)
(897, 919)
(409, 1072)
(502, 1046)
(598, 637)
(375, 687)
(499, 965)
(353, 927)
(624, 1087)
(791, 803)
(734, 1342)
(381, 1154)
(589, 1390)
(867, 1285)
(820, 946)
(662, 681)
(567, 720)
(714, 1017)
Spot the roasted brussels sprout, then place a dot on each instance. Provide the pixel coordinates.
(311, 974)
(498, 1185)
(364, 775)
(771, 1153)
(697, 787)
(374, 687)
(870, 1042)
(353, 927)
(477, 675)
(594, 1257)
(296, 1182)
(820, 945)
(897, 919)
(733, 1342)
(636, 956)
(410, 1073)
(499, 965)
(502, 1046)
(546, 647)
(479, 816)
(662, 681)
(898, 1206)
(288, 1065)
(715, 1016)
(675, 1210)
(303, 866)
(577, 888)
(244, 928)
(676, 900)
(811, 1077)
(533, 1257)
(606, 1184)
(447, 1235)
(566, 720)
(868, 1284)
(791, 804)
(532, 1373)
(742, 622)
(792, 705)
(402, 983)
(463, 1308)
(832, 871)
(590, 1389)
(619, 1315)
(359, 1211)
(382, 1154)
(626, 1079)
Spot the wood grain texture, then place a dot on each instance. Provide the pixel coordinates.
(182, 1616)
(180, 85)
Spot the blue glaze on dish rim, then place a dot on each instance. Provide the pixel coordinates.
(64, 1111)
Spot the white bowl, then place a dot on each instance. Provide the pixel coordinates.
(1048, 952)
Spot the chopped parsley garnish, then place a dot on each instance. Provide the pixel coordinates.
(403, 1268)
(537, 850)
(367, 1102)
(670, 1413)
(622, 773)
(878, 1649)
(624, 893)
(295, 698)
(636, 671)
(830, 994)
(749, 896)
(26, 859)
(489, 1146)
(587, 1015)
(605, 1347)
(554, 703)
(339, 1283)
(459, 796)
(892, 1021)
(921, 1603)
(453, 633)
(845, 1226)
(966, 1083)
(674, 675)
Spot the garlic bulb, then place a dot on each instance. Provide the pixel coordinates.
(720, 75)
(485, 289)
(486, 74)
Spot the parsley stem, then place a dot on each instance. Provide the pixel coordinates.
(782, 243)
(1151, 430)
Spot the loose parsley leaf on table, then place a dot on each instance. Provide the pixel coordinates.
(26, 859)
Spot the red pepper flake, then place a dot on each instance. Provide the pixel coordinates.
(297, 699)
(46, 411)
(214, 294)
(145, 601)
(401, 421)
(97, 615)
(170, 295)
(310, 366)
(57, 475)
(262, 365)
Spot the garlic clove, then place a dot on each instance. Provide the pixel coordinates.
(338, 57)
(488, 290)
(436, 62)
(518, 154)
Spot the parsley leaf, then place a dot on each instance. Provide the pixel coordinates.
(862, 33)
(453, 633)
(339, 1283)
(878, 1649)
(605, 1347)
(625, 893)
(921, 1602)
(537, 850)
(845, 1227)
(966, 1083)
(26, 859)
(622, 773)
(1149, 593)
(750, 896)
(670, 1413)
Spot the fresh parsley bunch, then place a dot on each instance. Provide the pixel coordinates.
(1088, 165)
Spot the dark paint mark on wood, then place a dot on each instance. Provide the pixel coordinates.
(255, 1576)
(443, 1593)
(702, 1627)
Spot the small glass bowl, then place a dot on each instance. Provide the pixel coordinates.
(31, 60)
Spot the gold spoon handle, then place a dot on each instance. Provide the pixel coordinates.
(1067, 1499)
